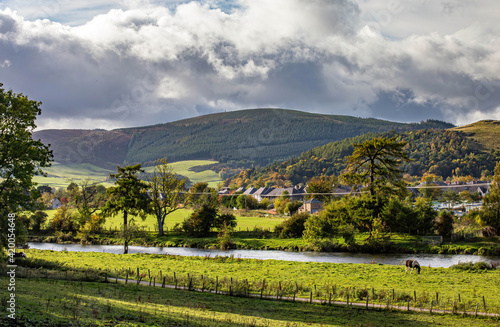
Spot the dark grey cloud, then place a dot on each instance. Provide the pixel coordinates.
(146, 63)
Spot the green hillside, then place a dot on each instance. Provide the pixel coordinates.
(485, 132)
(258, 136)
(61, 175)
(238, 138)
(441, 152)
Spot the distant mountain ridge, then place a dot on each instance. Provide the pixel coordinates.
(243, 138)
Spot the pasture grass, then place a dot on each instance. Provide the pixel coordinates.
(244, 222)
(184, 168)
(61, 175)
(358, 280)
(43, 303)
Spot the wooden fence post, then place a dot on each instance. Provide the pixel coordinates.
(347, 299)
(367, 301)
(437, 297)
(163, 283)
(216, 284)
(484, 303)
(126, 278)
(330, 298)
(415, 295)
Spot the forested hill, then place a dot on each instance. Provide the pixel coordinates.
(442, 152)
(243, 138)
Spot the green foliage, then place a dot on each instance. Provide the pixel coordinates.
(425, 216)
(444, 223)
(38, 220)
(224, 220)
(201, 221)
(292, 227)
(474, 266)
(224, 238)
(246, 202)
(166, 191)
(64, 220)
(87, 198)
(439, 152)
(397, 214)
(490, 212)
(128, 196)
(21, 157)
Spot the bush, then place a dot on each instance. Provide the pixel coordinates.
(39, 218)
(202, 220)
(293, 226)
(64, 220)
(444, 223)
(471, 266)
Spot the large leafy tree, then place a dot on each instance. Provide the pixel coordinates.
(87, 197)
(21, 157)
(490, 212)
(374, 166)
(166, 191)
(128, 197)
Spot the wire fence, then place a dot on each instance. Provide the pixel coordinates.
(330, 294)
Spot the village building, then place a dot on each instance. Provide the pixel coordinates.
(312, 206)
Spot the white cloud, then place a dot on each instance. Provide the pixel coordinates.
(139, 62)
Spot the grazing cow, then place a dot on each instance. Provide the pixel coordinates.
(20, 255)
(411, 264)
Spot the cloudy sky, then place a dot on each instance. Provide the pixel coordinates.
(110, 64)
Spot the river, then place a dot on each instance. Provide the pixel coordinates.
(425, 260)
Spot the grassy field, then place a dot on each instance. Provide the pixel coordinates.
(377, 281)
(486, 133)
(246, 221)
(68, 303)
(183, 168)
(61, 175)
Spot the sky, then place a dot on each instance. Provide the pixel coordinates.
(112, 64)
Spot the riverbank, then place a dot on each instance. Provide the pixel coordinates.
(259, 239)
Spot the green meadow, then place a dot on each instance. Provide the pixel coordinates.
(61, 175)
(378, 282)
(44, 303)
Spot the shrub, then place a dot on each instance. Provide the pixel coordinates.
(444, 223)
(293, 226)
(473, 266)
(64, 220)
(38, 218)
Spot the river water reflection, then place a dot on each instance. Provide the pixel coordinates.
(425, 260)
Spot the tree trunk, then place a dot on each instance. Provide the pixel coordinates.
(160, 226)
(125, 232)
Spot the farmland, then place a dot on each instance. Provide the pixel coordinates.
(61, 175)
(76, 300)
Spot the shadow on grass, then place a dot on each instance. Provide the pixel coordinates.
(54, 302)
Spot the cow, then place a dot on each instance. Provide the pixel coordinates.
(411, 264)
